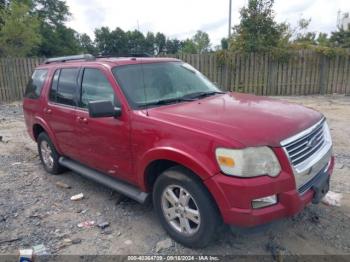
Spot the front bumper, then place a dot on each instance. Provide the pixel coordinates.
(234, 196)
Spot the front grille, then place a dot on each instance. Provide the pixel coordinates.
(303, 148)
(308, 152)
(312, 181)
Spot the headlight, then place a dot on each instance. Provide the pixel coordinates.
(248, 162)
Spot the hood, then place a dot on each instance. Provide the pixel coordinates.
(247, 119)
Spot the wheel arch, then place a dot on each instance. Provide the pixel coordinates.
(160, 159)
(40, 126)
(37, 129)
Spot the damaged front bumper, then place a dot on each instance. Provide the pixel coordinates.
(235, 196)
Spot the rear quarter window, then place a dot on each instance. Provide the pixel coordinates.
(35, 84)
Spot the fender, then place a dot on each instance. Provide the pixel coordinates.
(40, 121)
(188, 159)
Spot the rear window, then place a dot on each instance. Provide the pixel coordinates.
(36, 83)
(64, 86)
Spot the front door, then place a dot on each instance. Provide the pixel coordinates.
(104, 142)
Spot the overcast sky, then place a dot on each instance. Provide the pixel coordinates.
(182, 18)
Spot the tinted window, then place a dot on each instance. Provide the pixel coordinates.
(54, 84)
(67, 86)
(36, 83)
(95, 87)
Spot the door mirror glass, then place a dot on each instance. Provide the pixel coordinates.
(103, 109)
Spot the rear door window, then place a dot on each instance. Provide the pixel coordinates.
(54, 85)
(66, 86)
(36, 83)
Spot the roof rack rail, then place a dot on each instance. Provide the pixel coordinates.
(140, 54)
(124, 55)
(87, 57)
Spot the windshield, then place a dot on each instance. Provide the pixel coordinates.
(162, 83)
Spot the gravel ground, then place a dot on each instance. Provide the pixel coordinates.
(34, 210)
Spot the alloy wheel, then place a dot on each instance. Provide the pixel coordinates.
(46, 153)
(180, 210)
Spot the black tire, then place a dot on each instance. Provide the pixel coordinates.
(209, 215)
(56, 168)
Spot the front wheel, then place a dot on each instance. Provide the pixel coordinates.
(185, 208)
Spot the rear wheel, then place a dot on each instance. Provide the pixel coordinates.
(49, 155)
(185, 208)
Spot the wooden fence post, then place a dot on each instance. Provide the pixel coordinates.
(322, 73)
(271, 88)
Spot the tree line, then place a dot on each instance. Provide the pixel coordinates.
(259, 32)
(38, 28)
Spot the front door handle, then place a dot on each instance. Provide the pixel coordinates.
(81, 119)
(47, 111)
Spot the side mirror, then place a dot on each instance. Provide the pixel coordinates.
(103, 109)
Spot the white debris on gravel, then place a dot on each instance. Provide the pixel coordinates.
(128, 242)
(40, 250)
(332, 199)
(86, 224)
(77, 197)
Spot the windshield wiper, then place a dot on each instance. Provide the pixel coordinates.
(186, 98)
(167, 101)
(199, 95)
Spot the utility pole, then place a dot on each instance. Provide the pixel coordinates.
(229, 19)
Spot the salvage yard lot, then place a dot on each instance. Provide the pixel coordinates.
(35, 210)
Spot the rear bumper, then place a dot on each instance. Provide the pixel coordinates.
(234, 197)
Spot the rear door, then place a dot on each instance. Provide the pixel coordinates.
(60, 112)
(105, 142)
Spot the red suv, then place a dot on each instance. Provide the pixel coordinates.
(156, 127)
